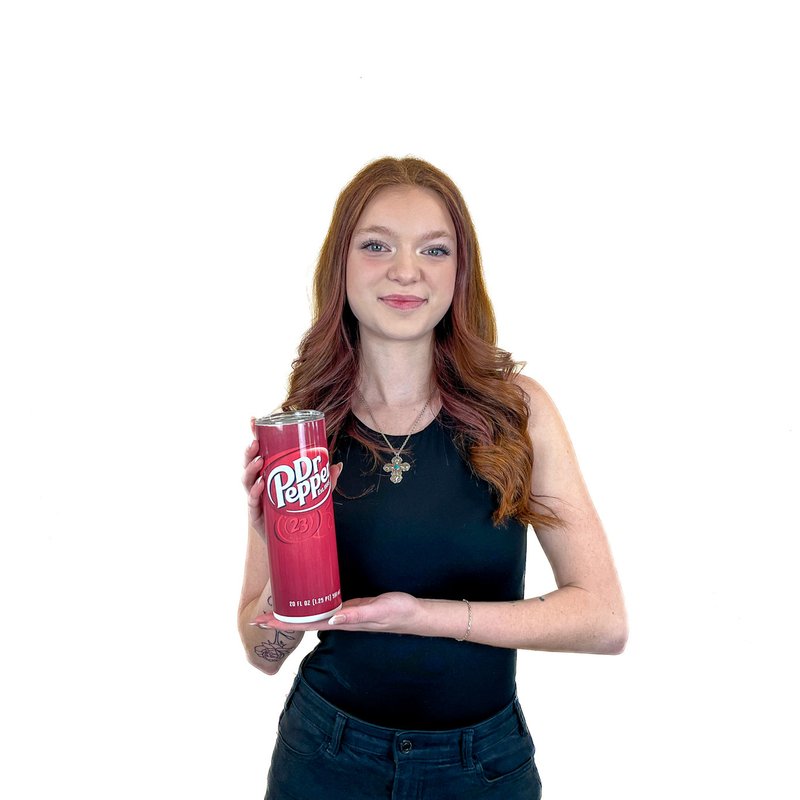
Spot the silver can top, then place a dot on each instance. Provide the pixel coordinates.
(291, 417)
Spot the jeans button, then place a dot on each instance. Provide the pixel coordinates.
(406, 746)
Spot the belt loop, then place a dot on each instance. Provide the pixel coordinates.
(523, 726)
(336, 736)
(466, 748)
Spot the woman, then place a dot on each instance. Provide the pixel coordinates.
(410, 691)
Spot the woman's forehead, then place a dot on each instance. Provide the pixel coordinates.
(397, 209)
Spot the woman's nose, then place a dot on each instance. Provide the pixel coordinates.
(404, 268)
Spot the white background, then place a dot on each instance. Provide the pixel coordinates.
(168, 174)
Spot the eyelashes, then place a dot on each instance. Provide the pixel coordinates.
(435, 250)
(372, 243)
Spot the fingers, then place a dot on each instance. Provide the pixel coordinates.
(252, 481)
(355, 611)
(254, 494)
(250, 452)
(266, 620)
(253, 464)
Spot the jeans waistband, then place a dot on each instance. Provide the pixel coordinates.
(448, 745)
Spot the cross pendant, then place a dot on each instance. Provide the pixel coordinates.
(396, 467)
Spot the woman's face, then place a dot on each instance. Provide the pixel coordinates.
(401, 265)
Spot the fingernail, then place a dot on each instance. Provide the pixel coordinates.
(336, 619)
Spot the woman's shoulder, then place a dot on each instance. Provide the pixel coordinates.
(534, 392)
(531, 387)
(543, 419)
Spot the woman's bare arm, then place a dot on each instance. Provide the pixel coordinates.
(267, 648)
(586, 613)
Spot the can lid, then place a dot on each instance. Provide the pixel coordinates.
(291, 417)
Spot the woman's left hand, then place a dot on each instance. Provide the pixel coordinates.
(392, 612)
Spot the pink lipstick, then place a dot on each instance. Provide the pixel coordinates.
(402, 301)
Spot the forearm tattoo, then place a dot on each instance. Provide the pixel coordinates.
(281, 645)
(283, 642)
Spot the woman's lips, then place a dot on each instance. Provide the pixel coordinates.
(402, 301)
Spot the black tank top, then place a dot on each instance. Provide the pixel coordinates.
(430, 535)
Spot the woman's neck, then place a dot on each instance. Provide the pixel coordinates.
(396, 382)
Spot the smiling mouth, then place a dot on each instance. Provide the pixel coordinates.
(402, 302)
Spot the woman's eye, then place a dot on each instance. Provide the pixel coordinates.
(438, 251)
(373, 247)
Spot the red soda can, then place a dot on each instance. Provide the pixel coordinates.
(298, 516)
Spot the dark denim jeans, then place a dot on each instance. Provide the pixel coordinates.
(324, 754)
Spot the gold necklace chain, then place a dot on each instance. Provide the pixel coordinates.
(396, 467)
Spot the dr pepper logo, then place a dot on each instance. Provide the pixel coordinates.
(299, 483)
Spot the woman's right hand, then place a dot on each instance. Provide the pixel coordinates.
(253, 485)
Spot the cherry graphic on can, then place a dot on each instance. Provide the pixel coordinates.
(298, 516)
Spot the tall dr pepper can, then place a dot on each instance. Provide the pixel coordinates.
(298, 516)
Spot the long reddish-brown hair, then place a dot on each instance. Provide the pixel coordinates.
(486, 408)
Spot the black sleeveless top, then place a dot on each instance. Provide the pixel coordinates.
(430, 535)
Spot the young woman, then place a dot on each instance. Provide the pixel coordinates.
(410, 691)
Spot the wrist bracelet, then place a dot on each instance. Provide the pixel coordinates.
(469, 621)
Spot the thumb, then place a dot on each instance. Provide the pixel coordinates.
(354, 611)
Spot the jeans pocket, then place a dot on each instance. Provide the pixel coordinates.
(299, 735)
(506, 760)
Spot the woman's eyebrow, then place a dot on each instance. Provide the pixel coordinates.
(377, 229)
(439, 234)
(382, 229)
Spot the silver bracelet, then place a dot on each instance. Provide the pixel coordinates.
(469, 621)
